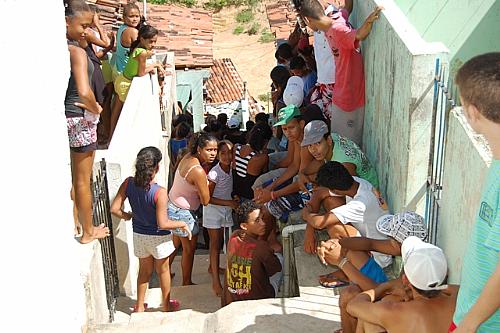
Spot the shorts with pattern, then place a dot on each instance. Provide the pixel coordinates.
(81, 132)
(179, 214)
(159, 247)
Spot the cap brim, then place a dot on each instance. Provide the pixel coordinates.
(279, 123)
(384, 224)
(311, 140)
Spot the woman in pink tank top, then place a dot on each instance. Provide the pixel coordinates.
(189, 190)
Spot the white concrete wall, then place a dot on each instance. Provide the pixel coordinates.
(399, 73)
(139, 126)
(466, 163)
(42, 290)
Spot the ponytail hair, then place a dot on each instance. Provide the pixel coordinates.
(145, 32)
(146, 165)
(200, 140)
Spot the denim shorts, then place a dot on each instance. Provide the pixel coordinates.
(178, 214)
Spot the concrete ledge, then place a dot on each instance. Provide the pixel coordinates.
(92, 274)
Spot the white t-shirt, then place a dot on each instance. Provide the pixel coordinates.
(362, 212)
(325, 62)
(223, 182)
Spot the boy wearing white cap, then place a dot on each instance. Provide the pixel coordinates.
(429, 305)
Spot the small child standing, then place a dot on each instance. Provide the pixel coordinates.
(218, 213)
(140, 51)
(250, 262)
(152, 243)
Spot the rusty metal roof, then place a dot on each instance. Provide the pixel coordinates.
(281, 18)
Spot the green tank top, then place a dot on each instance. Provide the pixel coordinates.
(132, 66)
(345, 150)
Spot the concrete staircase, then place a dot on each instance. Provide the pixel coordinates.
(315, 310)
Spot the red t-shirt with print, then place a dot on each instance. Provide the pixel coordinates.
(349, 93)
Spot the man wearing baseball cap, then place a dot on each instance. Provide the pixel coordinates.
(325, 146)
(289, 118)
(399, 227)
(427, 308)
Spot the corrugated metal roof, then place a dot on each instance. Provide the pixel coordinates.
(282, 18)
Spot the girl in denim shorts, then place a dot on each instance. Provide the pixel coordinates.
(189, 190)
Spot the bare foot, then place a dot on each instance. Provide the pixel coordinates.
(190, 283)
(97, 233)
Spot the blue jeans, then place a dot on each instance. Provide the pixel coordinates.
(178, 214)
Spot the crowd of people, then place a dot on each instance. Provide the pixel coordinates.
(306, 156)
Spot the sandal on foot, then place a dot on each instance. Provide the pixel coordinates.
(174, 304)
(331, 281)
(134, 308)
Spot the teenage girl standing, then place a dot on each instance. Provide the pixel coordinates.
(189, 190)
(82, 114)
(218, 213)
(152, 243)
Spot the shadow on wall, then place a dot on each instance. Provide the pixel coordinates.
(121, 248)
(295, 322)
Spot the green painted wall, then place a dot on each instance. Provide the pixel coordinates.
(467, 28)
(194, 78)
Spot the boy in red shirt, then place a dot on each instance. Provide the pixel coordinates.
(349, 92)
(251, 262)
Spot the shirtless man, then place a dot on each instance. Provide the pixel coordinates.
(422, 304)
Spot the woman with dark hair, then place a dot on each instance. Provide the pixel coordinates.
(250, 161)
(189, 190)
(152, 243)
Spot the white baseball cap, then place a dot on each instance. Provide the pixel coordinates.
(424, 264)
(402, 225)
(294, 91)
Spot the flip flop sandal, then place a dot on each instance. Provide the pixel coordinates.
(134, 308)
(174, 304)
(335, 284)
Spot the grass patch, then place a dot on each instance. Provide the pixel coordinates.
(264, 97)
(254, 29)
(266, 37)
(238, 30)
(244, 16)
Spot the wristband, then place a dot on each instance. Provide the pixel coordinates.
(342, 262)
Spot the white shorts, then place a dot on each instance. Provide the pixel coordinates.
(216, 217)
(159, 247)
